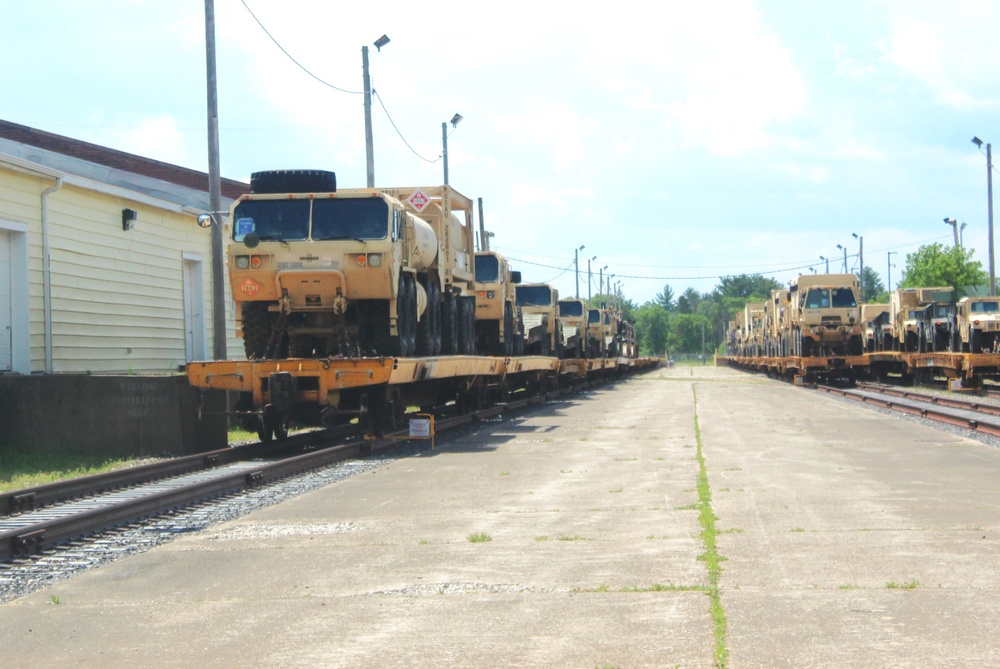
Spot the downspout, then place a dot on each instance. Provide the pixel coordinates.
(46, 273)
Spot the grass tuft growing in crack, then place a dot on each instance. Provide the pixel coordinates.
(711, 557)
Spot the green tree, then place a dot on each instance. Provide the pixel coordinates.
(666, 298)
(687, 303)
(652, 327)
(747, 286)
(938, 265)
(871, 284)
(685, 333)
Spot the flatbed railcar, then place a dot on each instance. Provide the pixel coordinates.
(963, 370)
(378, 391)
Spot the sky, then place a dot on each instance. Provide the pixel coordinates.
(678, 144)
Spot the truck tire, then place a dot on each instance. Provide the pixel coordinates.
(429, 332)
(508, 330)
(256, 329)
(293, 181)
(449, 325)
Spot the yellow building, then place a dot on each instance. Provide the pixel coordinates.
(103, 267)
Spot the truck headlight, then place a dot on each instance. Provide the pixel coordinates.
(242, 262)
(374, 259)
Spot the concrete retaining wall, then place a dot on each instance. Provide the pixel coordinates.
(116, 416)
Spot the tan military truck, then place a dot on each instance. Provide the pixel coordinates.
(753, 319)
(878, 330)
(596, 346)
(979, 324)
(540, 313)
(825, 318)
(573, 316)
(776, 325)
(499, 324)
(906, 307)
(318, 271)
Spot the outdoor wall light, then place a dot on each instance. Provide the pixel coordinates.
(128, 218)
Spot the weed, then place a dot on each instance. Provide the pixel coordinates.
(659, 587)
(424, 542)
(504, 473)
(626, 459)
(798, 529)
(54, 600)
(711, 556)
(573, 537)
(480, 537)
(909, 585)
(618, 489)
(732, 530)
(541, 538)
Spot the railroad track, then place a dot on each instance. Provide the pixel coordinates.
(36, 519)
(977, 416)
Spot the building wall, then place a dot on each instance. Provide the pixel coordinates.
(117, 295)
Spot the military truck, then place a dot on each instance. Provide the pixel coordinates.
(878, 331)
(776, 324)
(906, 306)
(825, 318)
(318, 271)
(540, 312)
(753, 319)
(938, 323)
(499, 323)
(979, 324)
(573, 316)
(596, 346)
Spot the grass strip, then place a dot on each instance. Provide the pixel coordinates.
(711, 558)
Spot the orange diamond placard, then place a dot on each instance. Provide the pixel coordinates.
(250, 287)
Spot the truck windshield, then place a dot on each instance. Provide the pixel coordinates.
(487, 269)
(272, 220)
(594, 316)
(843, 298)
(571, 309)
(350, 218)
(536, 296)
(986, 307)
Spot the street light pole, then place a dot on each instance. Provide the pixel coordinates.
(576, 265)
(888, 269)
(845, 256)
(444, 143)
(366, 79)
(590, 280)
(827, 263)
(861, 263)
(989, 195)
(954, 226)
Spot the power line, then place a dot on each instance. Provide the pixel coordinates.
(337, 88)
(301, 66)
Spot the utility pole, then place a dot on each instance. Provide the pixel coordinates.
(215, 190)
(484, 241)
(989, 195)
(444, 150)
(369, 143)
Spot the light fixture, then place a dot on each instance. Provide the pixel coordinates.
(455, 120)
(128, 218)
(978, 142)
(381, 42)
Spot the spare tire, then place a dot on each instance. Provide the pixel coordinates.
(293, 181)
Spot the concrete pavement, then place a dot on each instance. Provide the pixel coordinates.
(590, 508)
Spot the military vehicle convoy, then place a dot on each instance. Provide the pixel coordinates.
(318, 271)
